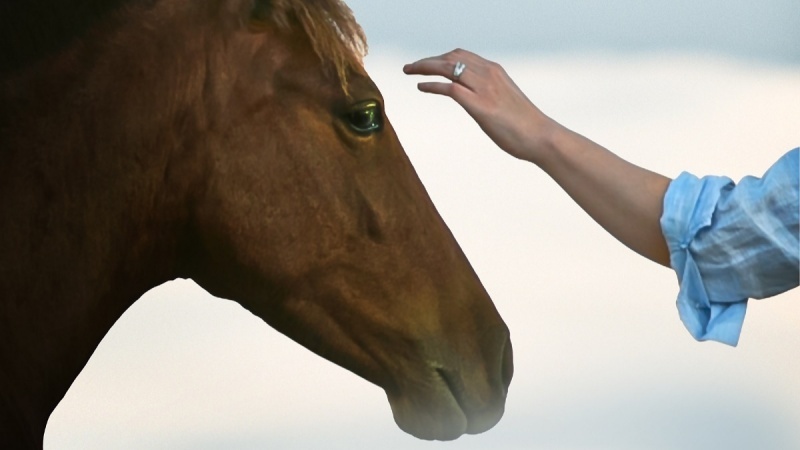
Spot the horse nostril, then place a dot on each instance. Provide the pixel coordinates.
(507, 369)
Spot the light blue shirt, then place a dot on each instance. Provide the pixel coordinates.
(729, 243)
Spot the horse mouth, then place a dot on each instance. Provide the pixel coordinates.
(454, 385)
(441, 401)
(478, 420)
(446, 410)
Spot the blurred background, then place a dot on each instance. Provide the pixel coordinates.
(765, 31)
(602, 360)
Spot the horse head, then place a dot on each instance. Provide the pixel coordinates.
(311, 216)
(289, 192)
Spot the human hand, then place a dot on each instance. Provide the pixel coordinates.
(491, 97)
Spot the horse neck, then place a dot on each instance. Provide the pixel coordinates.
(91, 220)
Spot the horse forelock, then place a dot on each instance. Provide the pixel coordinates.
(337, 38)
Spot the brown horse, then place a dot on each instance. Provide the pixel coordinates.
(239, 143)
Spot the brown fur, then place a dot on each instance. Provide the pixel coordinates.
(333, 31)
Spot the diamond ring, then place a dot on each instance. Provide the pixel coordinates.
(459, 69)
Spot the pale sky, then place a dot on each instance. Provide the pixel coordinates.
(764, 31)
(601, 358)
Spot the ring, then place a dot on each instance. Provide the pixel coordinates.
(459, 69)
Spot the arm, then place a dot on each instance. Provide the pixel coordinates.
(626, 200)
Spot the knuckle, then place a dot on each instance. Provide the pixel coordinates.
(497, 72)
(457, 54)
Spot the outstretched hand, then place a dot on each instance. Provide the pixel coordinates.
(623, 198)
(491, 97)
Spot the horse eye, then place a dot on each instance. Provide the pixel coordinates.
(365, 118)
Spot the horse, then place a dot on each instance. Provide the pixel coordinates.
(240, 144)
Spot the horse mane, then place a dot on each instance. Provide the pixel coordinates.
(337, 39)
(31, 28)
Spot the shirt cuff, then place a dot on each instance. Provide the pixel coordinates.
(689, 206)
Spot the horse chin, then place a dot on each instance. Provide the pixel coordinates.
(438, 415)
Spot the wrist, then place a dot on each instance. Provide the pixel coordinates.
(544, 143)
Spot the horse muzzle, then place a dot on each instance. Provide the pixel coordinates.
(456, 396)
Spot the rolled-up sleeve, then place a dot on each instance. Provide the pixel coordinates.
(730, 242)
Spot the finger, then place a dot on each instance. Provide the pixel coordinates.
(445, 69)
(432, 87)
(443, 64)
(430, 66)
(460, 93)
(425, 61)
(451, 57)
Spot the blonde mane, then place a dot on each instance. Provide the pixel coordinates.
(335, 35)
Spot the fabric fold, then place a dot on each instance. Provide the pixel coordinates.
(729, 243)
(689, 206)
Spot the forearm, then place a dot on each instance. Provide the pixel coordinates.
(626, 200)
